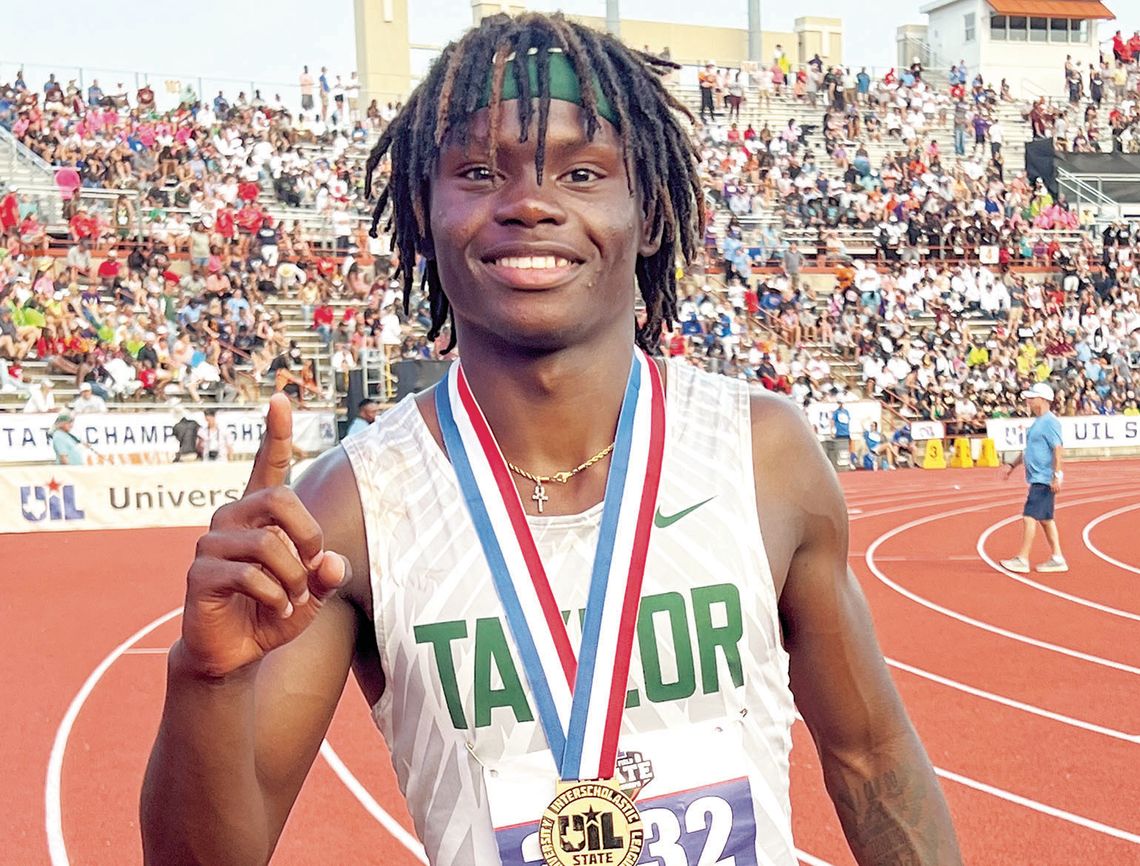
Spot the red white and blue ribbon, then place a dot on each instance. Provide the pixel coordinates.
(579, 701)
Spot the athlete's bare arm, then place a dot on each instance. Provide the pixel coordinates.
(250, 692)
(875, 768)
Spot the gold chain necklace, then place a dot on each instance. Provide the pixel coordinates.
(539, 494)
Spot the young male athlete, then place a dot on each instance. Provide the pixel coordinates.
(578, 587)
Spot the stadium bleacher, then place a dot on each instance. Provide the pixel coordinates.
(926, 272)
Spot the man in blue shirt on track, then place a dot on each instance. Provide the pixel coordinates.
(1042, 459)
(841, 435)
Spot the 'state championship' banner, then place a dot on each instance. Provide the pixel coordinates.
(24, 438)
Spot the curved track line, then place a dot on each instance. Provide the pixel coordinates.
(407, 839)
(948, 496)
(369, 803)
(53, 799)
(1075, 599)
(53, 794)
(1012, 703)
(1037, 806)
(1030, 803)
(976, 623)
(1096, 551)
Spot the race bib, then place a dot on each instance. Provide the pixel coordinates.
(695, 801)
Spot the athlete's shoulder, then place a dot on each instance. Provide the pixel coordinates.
(780, 424)
(788, 461)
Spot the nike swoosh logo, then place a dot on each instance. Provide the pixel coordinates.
(661, 521)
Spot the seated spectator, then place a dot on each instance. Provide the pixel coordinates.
(87, 401)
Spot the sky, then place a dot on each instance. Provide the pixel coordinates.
(232, 43)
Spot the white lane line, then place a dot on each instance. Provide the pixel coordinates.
(943, 498)
(1096, 551)
(1038, 806)
(1030, 803)
(53, 794)
(364, 796)
(805, 857)
(53, 799)
(968, 620)
(931, 558)
(369, 803)
(1075, 599)
(1014, 704)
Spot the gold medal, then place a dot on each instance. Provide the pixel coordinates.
(590, 824)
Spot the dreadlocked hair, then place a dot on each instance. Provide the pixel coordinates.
(658, 151)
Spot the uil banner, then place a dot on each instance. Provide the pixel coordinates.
(24, 438)
(923, 430)
(1080, 431)
(68, 498)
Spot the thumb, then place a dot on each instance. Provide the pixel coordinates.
(274, 456)
(328, 572)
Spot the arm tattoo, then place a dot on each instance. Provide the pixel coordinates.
(892, 820)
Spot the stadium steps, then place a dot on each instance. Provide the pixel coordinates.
(781, 109)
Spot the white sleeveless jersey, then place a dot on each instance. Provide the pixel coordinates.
(708, 641)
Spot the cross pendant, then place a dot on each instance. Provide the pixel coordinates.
(540, 496)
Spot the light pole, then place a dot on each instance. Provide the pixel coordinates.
(755, 36)
(613, 17)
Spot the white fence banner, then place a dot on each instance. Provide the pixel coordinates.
(24, 438)
(67, 498)
(1080, 431)
(920, 431)
(863, 412)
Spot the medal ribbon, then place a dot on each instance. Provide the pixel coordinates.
(579, 701)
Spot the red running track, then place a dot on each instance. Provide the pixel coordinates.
(1028, 701)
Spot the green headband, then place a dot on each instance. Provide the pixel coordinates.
(563, 80)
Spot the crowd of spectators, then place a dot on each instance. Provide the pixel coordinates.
(163, 288)
(203, 161)
(939, 320)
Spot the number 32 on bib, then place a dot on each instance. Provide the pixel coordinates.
(696, 808)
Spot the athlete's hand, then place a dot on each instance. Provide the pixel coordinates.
(261, 573)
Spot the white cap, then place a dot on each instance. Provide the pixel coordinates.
(1041, 389)
(84, 386)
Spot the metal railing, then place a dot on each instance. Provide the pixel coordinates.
(20, 154)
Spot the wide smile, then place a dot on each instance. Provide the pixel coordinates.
(538, 270)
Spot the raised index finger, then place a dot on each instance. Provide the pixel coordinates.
(271, 464)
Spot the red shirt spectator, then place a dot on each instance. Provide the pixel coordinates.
(248, 190)
(30, 227)
(148, 378)
(109, 268)
(83, 225)
(323, 315)
(225, 223)
(249, 218)
(751, 301)
(9, 211)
